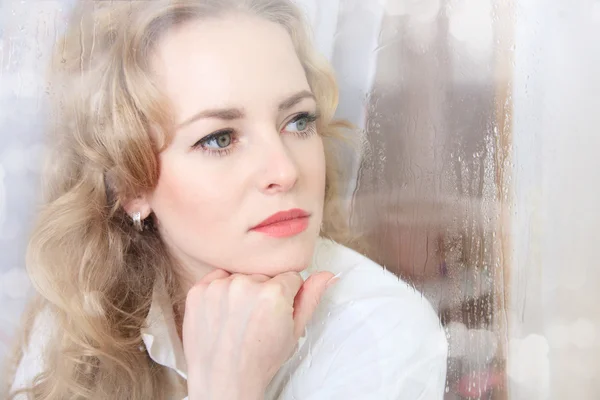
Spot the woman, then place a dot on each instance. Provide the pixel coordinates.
(191, 191)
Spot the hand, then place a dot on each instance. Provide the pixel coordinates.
(239, 329)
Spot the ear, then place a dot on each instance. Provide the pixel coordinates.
(138, 204)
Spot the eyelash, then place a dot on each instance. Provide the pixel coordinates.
(311, 129)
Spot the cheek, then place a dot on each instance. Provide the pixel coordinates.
(186, 197)
(313, 165)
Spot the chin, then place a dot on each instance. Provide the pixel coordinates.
(289, 263)
(286, 256)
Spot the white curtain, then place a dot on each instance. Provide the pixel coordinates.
(27, 32)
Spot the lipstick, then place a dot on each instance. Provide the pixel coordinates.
(284, 223)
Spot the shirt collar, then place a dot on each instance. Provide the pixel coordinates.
(160, 333)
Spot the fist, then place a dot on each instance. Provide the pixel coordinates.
(239, 329)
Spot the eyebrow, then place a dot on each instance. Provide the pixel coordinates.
(230, 114)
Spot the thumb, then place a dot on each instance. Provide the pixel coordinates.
(307, 299)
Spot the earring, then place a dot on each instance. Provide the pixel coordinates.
(137, 221)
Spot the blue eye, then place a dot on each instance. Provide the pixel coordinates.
(220, 140)
(302, 123)
(218, 143)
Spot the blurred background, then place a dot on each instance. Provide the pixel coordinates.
(478, 181)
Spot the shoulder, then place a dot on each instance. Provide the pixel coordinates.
(363, 280)
(374, 330)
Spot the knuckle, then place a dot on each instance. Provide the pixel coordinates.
(239, 287)
(213, 290)
(195, 294)
(271, 292)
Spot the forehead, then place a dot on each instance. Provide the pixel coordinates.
(235, 60)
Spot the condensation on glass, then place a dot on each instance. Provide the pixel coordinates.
(431, 175)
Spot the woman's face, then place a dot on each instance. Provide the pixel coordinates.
(246, 147)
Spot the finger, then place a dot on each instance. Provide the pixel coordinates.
(290, 283)
(214, 275)
(259, 278)
(253, 277)
(197, 291)
(308, 298)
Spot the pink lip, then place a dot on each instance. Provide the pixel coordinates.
(284, 223)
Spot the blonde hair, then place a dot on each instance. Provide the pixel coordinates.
(93, 271)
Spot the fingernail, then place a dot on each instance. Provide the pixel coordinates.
(333, 280)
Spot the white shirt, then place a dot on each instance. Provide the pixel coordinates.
(372, 337)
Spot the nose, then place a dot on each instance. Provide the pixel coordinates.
(278, 169)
